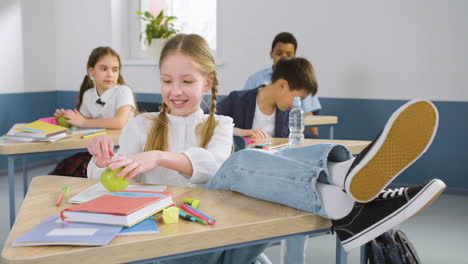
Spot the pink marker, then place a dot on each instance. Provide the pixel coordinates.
(195, 213)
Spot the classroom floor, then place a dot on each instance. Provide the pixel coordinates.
(438, 233)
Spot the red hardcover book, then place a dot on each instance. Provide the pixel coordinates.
(125, 208)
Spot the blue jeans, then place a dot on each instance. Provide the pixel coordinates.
(287, 177)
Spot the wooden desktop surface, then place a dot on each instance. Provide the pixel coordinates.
(355, 146)
(238, 219)
(316, 120)
(73, 142)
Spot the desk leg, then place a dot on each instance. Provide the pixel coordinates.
(25, 175)
(363, 254)
(331, 132)
(341, 255)
(282, 251)
(11, 188)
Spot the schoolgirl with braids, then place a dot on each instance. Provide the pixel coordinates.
(104, 100)
(180, 145)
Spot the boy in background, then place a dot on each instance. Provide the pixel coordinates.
(284, 45)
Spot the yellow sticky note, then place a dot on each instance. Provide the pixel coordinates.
(171, 215)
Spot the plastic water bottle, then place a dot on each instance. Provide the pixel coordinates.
(296, 123)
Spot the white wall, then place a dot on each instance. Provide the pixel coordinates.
(11, 49)
(80, 27)
(361, 49)
(38, 45)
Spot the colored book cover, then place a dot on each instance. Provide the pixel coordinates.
(41, 129)
(54, 231)
(119, 208)
(145, 227)
(50, 120)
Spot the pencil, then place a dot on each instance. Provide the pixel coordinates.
(95, 134)
(278, 146)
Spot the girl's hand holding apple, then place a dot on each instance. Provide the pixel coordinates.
(136, 163)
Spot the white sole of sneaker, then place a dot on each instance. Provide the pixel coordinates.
(424, 198)
(406, 136)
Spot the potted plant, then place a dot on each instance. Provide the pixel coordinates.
(157, 31)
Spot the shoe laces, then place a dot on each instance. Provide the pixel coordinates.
(390, 193)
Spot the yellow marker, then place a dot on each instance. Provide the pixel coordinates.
(94, 134)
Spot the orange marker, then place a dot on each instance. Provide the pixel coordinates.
(65, 191)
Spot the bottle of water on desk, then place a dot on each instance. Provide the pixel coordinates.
(296, 123)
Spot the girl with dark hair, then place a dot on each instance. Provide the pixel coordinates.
(104, 100)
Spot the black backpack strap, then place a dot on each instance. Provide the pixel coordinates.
(409, 252)
(375, 253)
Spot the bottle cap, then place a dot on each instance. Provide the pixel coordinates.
(297, 101)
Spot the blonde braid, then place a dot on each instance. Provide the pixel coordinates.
(210, 124)
(158, 136)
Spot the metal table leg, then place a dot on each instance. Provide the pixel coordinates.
(25, 176)
(331, 132)
(341, 255)
(363, 254)
(11, 188)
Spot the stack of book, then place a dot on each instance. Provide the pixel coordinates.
(97, 221)
(35, 131)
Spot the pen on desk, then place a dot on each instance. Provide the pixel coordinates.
(195, 213)
(200, 212)
(192, 218)
(93, 134)
(278, 146)
(64, 192)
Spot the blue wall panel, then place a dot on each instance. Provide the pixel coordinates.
(360, 119)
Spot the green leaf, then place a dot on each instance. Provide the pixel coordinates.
(149, 15)
(157, 27)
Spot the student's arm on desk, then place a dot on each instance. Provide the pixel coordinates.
(253, 133)
(116, 122)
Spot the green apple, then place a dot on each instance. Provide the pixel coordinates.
(63, 122)
(112, 182)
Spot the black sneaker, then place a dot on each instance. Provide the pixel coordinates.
(406, 136)
(392, 207)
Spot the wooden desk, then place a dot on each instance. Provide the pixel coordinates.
(318, 120)
(240, 220)
(22, 149)
(355, 146)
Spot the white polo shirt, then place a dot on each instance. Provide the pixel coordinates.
(264, 122)
(114, 98)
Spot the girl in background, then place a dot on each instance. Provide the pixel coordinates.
(104, 101)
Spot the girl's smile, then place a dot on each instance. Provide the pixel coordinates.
(182, 84)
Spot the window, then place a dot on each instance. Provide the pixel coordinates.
(193, 16)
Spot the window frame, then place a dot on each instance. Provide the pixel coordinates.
(137, 56)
